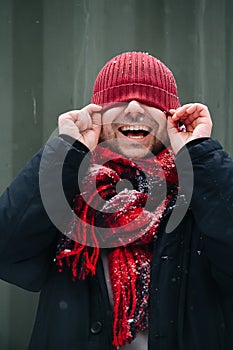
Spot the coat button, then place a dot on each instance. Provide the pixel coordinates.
(96, 327)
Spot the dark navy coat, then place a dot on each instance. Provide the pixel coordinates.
(191, 303)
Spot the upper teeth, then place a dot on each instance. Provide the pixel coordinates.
(135, 127)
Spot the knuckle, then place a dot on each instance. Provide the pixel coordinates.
(61, 116)
(61, 119)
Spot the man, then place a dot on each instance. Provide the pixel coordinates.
(145, 259)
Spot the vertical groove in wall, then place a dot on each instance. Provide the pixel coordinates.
(27, 79)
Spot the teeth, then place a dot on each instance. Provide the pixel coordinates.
(135, 127)
(136, 137)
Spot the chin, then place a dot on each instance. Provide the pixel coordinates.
(135, 152)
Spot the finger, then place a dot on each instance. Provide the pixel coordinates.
(190, 108)
(71, 115)
(91, 108)
(181, 111)
(89, 117)
(83, 120)
(193, 108)
(172, 111)
(199, 109)
(74, 114)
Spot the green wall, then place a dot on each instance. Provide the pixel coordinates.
(51, 51)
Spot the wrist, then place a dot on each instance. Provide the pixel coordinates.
(74, 142)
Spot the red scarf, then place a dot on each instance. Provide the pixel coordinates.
(127, 222)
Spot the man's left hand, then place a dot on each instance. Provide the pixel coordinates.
(196, 120)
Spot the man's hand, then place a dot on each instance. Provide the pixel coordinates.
(83, 125)
(196, 120)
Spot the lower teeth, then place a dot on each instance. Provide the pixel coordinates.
(136, 137)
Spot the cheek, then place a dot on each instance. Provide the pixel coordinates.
(107, 132)
(161, 133)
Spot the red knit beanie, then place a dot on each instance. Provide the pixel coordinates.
(136, 76)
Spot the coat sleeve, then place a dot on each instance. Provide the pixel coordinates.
(28, 231)
(212, 205)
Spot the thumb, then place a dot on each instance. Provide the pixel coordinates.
(172, 127)
(96, 122)
(174, 135)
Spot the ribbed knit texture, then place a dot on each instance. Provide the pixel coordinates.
(136, 76)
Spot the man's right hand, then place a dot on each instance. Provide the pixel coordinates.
(83, 125)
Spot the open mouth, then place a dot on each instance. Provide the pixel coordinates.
(136, 132)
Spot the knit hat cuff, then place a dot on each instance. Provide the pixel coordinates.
(146, 94)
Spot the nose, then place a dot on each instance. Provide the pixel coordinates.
(134, 108)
